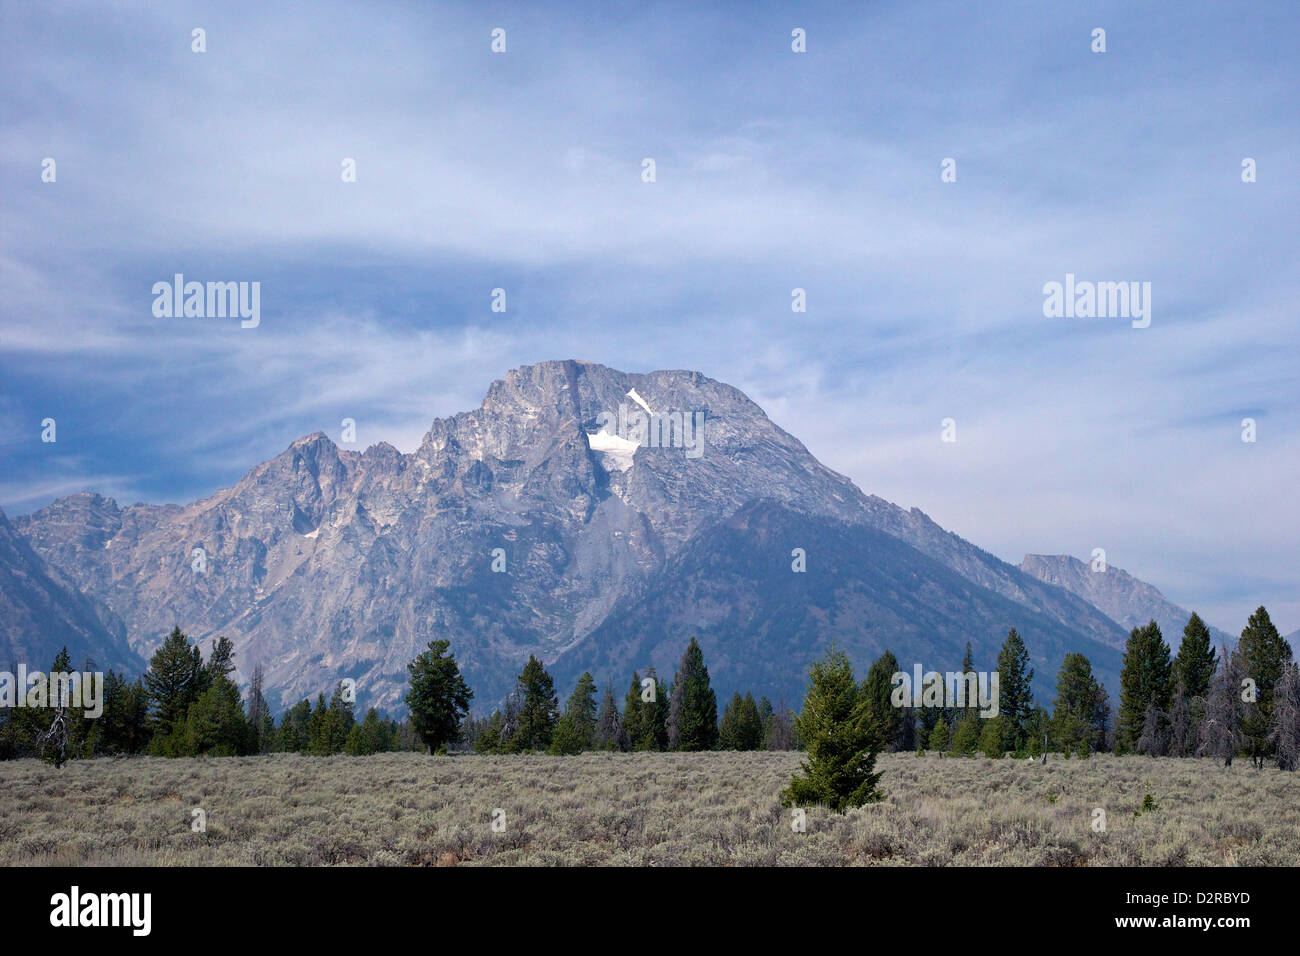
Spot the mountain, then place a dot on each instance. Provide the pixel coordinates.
(43, 614)
(325, 562)
(1117, 594)
(761, 624)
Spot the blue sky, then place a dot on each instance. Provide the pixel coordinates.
(775, 170)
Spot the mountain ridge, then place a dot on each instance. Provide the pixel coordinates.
(324, 562)
(1125, 599)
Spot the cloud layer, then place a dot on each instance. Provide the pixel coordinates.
(774, 170)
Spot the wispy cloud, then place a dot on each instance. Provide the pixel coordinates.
(774, 171)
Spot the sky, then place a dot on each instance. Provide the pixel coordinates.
(774, 170)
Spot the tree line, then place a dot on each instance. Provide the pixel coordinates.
(1200, 702)
(680, 716)
(184, 706)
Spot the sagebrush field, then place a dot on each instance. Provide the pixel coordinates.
(646, 809)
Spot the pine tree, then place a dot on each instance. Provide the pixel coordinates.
(1081, 706)
(221, 662)
(322, 728)
(634, 714)
(215, 724)
(173, 681)
(693, 708)
(1265, 654)
(1145, 681)
(741, 727)
(966, 738)
(575, 731)
(993, 737)
(842, 745)
(609, 725)
(438, 698)
(539, 709)
(124, 723)
(1015, 695)
(938, 739)
(1196, 661)
(371, 736)
(878, 689)
(656, 735)
(343, 707)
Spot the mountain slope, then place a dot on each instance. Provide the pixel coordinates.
(323, 563)
(762, 624)
(1123, 598)
(40, 614)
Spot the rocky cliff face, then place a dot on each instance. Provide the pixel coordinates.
(324, 563)
(1117, 594)
(43, 613)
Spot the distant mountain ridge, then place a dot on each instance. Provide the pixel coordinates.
(1123, 598)
(324, 563)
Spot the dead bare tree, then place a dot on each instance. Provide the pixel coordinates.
(1285, 734)
(53, 743)
(1221, 733)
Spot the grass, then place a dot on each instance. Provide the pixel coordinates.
(639, 810)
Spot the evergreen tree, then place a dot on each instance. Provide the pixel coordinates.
(993, 737)
(1265, 654)
(741, 727)
(879, 688)
(325, 732)
(575, 731)
(634, 714)
(292, 735)
(438, 698)
(343, 708)
(693, 708)
(842, 745)
(215, 724)
(371, 736)
(1196, 661)
(173, 682)
(1015, 696)
(609, 725)
(966, 738)
(1081, 706)
(539, 708)
(221, 662)
(124, 723)
(1037, 729)
(1145, 682)
(656, 737)
(490, 739)
(938, 739)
